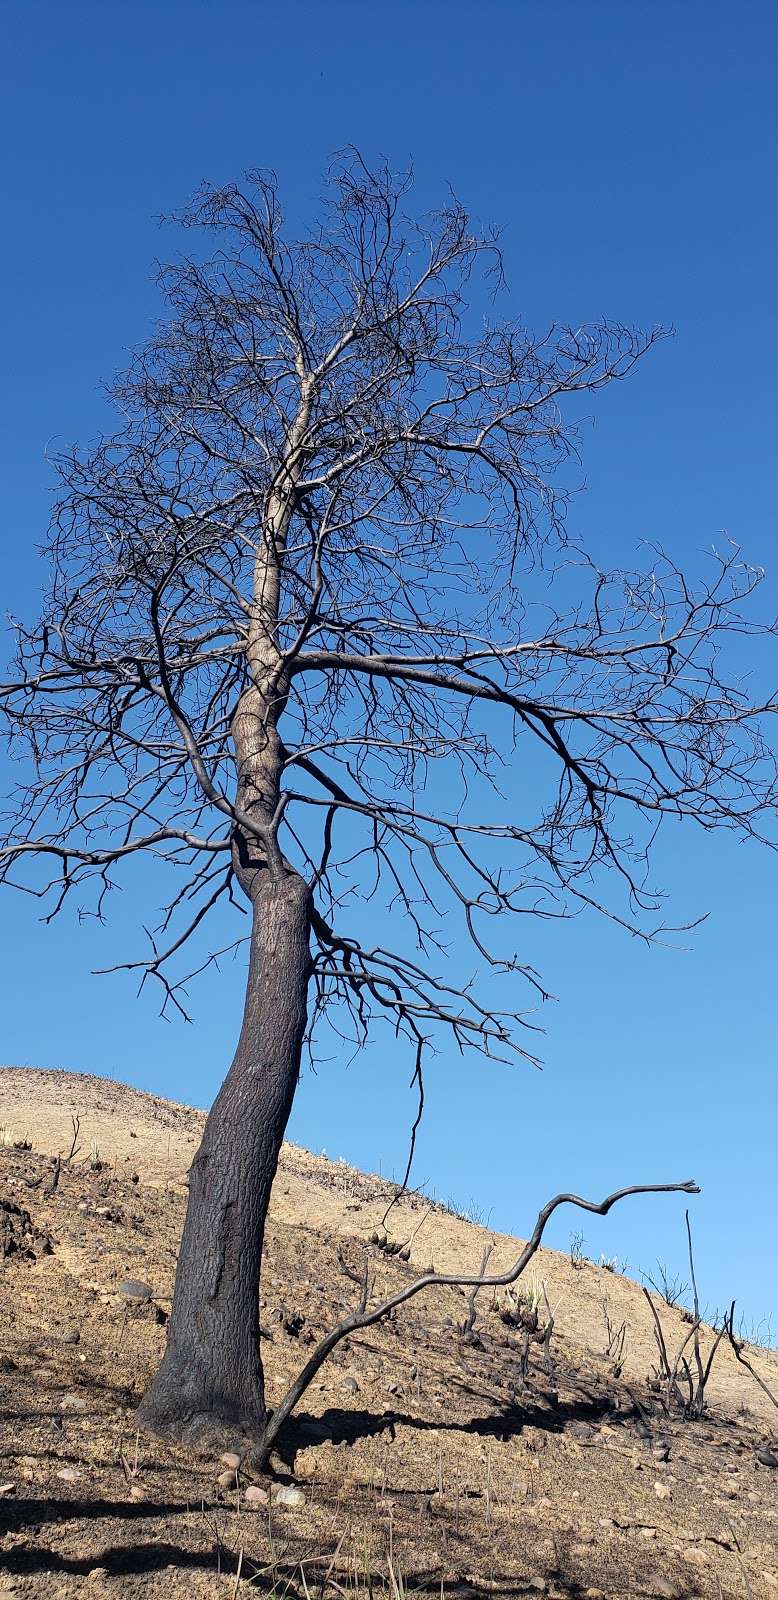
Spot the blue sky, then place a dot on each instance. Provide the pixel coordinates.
(629, 153)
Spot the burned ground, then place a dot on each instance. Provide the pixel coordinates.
(421, 1458)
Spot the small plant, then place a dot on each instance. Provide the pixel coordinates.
(757, 1333)
(615, 1340)
(129, 1467)
(679, 1387)
(96, 1162)
(577, 1257)
(608, 1263)
(75, 1122)
(670, 1286)
(9, 1138)
(521, 1306)
(613, 1264)
(472, 1212)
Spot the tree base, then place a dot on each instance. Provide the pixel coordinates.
(194, 1421)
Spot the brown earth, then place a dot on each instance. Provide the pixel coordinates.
(423, 1464)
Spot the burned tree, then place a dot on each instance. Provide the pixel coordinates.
(305, 604)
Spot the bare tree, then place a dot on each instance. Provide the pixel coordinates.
(310, 606)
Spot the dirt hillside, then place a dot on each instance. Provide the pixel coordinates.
(424, 1462)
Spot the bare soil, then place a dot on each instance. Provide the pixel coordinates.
(423, 1468)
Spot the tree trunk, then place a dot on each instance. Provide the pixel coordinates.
(210, 1386)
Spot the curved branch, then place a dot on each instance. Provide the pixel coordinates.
(364, 1316)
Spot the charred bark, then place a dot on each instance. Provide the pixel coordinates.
(210, 1386)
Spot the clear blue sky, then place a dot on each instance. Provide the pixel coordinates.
(630, 153)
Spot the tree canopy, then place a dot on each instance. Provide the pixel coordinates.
(334, 482)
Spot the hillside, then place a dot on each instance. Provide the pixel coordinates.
(421, 1467)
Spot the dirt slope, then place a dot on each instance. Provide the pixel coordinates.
(421, 1461)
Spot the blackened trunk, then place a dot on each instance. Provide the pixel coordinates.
(210, 1386)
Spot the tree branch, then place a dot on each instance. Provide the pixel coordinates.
(364, 1316)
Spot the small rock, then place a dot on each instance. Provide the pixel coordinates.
(230, 1459)
(97, 1574)
(71, 1336)
(74, 1402)
(661, 1587)
(662, 1491)
(226, 1480)
(579, 1430)
(696, 1556)
(68, 1474)
(648, 1533)
(767, 1458)
(137, 1493)
(133, 1289)
(307, 1464)
(595, 1594)
(351, 1384)
(287, 1495)
(254, 1495)
(7, 1488)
